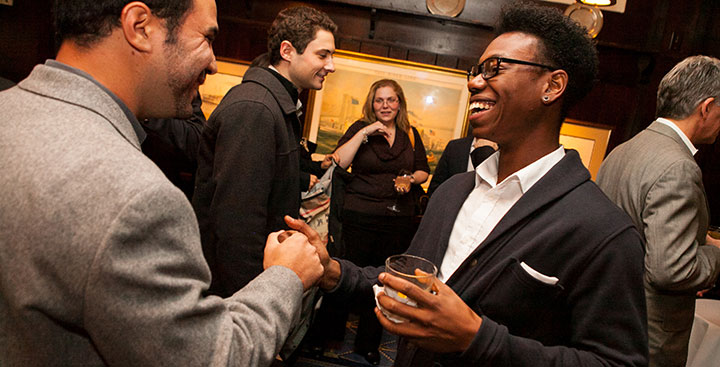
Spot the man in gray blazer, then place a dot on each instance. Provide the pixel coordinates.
(100, 255)
(655, 179)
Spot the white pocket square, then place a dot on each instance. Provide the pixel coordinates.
(539, 276)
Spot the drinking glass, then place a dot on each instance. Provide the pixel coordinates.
(402, 185)
(414, 269)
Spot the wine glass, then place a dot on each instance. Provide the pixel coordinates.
(402, 185)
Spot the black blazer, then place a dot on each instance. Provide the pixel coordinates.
(563, 226)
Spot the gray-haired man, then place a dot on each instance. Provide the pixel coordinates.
(655, 179)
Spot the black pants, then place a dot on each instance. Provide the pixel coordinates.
(369, 240)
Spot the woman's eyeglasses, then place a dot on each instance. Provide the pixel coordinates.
(390, 101)
(491, 66)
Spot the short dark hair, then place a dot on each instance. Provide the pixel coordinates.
(563, 44)
(298, 25)
(89, 21)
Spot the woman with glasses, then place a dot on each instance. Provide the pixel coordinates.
(377, 218)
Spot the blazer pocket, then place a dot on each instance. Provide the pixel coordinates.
(518, 300)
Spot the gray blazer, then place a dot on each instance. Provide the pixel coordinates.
(656, 180)
(100, 256)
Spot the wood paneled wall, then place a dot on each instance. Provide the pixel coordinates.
(636, 48)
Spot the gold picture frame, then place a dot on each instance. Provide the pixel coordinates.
(230, 73)
(437, 100)
(588, 139)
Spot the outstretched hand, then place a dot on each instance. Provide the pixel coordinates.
(332, 267)
(442, 322)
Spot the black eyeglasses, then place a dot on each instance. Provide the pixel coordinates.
(491, 66)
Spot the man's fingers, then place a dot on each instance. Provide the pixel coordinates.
(303, 227)
(272, 238)
(398, 308)
(296, 236)
(285, 234)
(411, 290)
(294, 223)
(407, 329)
(424, 277)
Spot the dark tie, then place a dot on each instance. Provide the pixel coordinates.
(478, 155)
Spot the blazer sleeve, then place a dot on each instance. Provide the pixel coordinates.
(148, 278)
(674, 258)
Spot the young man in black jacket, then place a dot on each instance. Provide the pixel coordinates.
(248, 163)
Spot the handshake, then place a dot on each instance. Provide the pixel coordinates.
(301, 250)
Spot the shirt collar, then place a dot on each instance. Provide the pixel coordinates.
(294, 94)
(139, 131)
(677, 130)
(487, 171)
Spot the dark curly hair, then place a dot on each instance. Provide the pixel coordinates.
(563, 43)
(89, 21)
(298, 25)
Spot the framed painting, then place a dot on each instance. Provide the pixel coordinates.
(590, 141)
(437, 100)
(230, 73)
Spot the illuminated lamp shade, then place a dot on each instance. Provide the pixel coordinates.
(598, 2)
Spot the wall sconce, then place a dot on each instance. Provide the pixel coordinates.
(598, 2)
(588, 14)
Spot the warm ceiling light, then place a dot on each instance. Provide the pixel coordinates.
(598, 2)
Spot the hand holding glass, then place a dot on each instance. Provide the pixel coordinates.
(414, 269)
(402, 186)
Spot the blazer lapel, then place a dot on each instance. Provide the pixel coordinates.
(559, 180)
(74, 89)
(563, 177)
(452, 207)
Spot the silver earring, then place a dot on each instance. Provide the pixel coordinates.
(546, 98)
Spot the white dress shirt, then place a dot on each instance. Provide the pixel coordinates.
(682, 135)
(488, 203)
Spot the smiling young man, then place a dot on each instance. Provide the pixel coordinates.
(248, 163)
(536, 266)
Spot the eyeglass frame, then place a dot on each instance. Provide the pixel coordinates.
(390, 101)
(478, 69)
